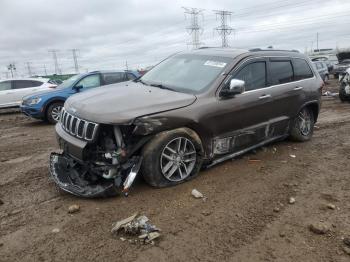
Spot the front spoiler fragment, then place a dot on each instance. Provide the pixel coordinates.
(70, 180)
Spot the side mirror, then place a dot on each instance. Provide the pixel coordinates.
(77, 88)
(236, 87)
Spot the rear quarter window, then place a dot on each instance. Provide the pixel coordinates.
(302, 69)
(19, 84)
(281, 72)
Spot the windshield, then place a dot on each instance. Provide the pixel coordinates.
(69, 82)
(187, 73)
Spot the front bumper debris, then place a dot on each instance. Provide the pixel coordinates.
(71, 177)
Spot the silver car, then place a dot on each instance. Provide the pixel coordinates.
(322, 69)
(12, 90)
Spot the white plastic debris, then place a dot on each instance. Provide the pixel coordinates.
(196, 194)
(293, 156)
(291, 200)
(55, 230)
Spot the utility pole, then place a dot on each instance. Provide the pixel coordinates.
(29, 69)
(76, 66)
(54, 55)
(318, 50)
(194, 29)
(224, 30)
(45, 70)
(12, 68)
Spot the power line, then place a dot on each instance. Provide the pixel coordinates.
(224, 30)
(194, 29)
(54, 55)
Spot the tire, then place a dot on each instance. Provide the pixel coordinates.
(303, 125)
(342, 94)
(51, 112)
(157, 166)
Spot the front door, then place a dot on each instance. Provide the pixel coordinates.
(241, 121)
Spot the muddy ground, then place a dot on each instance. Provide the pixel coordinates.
(246, 216)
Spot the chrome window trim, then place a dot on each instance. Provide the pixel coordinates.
(267, 87)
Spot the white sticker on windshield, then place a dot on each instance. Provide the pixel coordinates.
(215, 63)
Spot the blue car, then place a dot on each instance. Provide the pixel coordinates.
(47, 105)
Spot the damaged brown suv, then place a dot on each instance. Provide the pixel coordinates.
(193, 109)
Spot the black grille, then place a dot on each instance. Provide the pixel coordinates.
(78, 127)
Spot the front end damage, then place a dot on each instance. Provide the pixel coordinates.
(97, 160)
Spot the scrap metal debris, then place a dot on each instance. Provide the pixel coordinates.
(137, 226)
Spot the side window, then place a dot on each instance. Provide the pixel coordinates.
(131, 76)
(36, 83)
(281, 72)
(90, 81)
(302, 69)
(254, 75)
(6, 85)
(111, 78)
(18, 84)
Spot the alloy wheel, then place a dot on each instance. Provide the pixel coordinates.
(56, 113)
(178, 159)
(304, 121)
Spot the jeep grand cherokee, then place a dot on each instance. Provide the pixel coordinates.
(193, 109)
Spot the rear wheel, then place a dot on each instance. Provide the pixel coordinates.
(171, 158)
(303, 125)
(53, 112)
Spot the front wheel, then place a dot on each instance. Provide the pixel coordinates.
(303, 126)
(171, 158)
(53, 112)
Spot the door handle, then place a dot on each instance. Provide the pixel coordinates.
(298, 88)
(264, 96)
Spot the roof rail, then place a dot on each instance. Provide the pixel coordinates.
(270, 49)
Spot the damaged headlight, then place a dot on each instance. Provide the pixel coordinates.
(146, 126)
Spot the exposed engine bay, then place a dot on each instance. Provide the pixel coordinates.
(108, 166)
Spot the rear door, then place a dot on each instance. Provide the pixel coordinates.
(21, 88)
(114, 77)
(5, 92)
(287, 83)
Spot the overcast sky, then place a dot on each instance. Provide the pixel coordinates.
(110, 32)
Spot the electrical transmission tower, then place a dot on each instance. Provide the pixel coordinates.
(194, 29)
(29, 69)
(76, 66)
(224, 30)
(54, 55)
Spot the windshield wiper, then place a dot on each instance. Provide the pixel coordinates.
(163, 87)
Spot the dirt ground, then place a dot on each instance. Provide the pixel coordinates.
(246, 215)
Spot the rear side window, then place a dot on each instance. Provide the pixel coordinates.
(36, 83)
(18, 84)
(6, 85)
(302, 69)
(111, 78)
(281, 72)
(254, 75)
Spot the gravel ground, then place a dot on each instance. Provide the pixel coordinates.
(246, 215)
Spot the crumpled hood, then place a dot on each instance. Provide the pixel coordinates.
(122, 103)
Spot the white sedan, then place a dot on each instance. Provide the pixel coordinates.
(12, 90)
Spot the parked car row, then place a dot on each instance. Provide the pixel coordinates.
(194, 109)
(47, 105)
